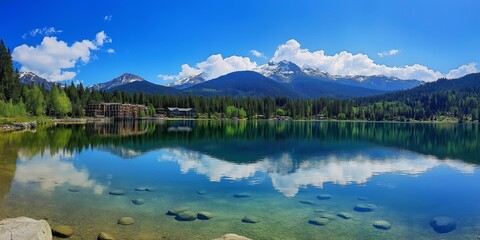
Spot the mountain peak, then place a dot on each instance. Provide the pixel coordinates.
(188, 81)
(32, 78)
(118, 81)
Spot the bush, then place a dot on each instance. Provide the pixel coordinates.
(12, 110)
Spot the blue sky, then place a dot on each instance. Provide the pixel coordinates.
(152, 38)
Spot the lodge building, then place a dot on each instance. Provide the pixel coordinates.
(115, 110)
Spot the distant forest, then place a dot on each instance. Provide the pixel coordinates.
(443, 99)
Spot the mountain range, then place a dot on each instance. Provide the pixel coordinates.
(28, 78)
(271, 79)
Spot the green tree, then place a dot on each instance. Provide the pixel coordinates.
(58, 103)
(35, 102)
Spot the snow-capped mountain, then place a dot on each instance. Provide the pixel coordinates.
(125, 78)
(283, 71)
(28, 78)
(188, 81)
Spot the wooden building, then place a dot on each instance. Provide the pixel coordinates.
(181, 112)
(115, 110)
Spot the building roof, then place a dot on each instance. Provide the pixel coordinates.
(179, 109)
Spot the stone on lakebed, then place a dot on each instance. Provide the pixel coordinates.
(204, 215)
(186, 216)
(250, 219)
(117, 192)
(177, 210)
(318, 221)
(443, 224)
(365, 207)
(126, 221)
(324, 196)
(62, 231)
(382, 224)
(25, 228)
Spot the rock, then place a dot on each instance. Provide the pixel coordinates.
(177, 210)
(232, 236)
(138, 201)
(201, 192)
(117, 192)
(126, 221)
(324, 196)
(141, 189)
(365, 207)
(62, 231)
(382, 224)
(105, 236)
(74, 190)
(250, 219)
(318, 221)
(307, 202)
(329, 216)
(443, 224)
(204, 215)
(320, 210)
(241, 195)
(344, 215)
(186, 216)
(25, 228)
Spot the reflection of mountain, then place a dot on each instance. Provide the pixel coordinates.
(51, 171)
(288, 175)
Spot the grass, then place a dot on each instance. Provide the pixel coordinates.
(6, 120)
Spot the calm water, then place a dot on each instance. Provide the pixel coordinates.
(412, 172)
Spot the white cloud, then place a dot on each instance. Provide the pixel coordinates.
(54, 59)
(462, 71)
(47, 31)
(213, 67)
(107, 18)
(345, 63)
(257, 54)
(388, 53)
(111, 50)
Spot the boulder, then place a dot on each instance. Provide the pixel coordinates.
(177, 210)
(186, 216)
(204, 215)
(318, 221)
(382, 224)
(344, 215)
(62, 231)
(307, 202)
(126, 221)
(324, 196)
(105, 236)
(141, 189)
(250, 219)
(365, 207)
(25, 228)
(117, 192)
(328, 216)
(138, 201)
(443, 224)
(241, 195)
(232, 236)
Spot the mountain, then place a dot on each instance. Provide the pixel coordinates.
(188, 81)
(28, 78)
(132, 83)
(242, 84)
(283, 71)
(379, 82)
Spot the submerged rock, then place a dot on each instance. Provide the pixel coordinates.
(204, 215)
(324, 196)
(141, 189)
(329, 216)
(365, 207)
(177, 210)
(382, 224)
(320, 210)
(25, 228)
(307, 202)
(318, 221)
(105, 236)
(232, 236)
(250, 219)
(74, 190)
(138, 201)
(117, 192)
(242, 195)
(201, 192)
(62, 231)
(344, 215)
(443, 224)
(186, 216)
(126, 221)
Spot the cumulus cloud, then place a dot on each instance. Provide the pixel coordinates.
(388, 53)
(47, 31)
(463, 70)
(111, 50)
(213, 67)
(345, 63)
(107, 18)
(257, 54)
(54, 59)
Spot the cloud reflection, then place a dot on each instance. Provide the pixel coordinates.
(288, 175)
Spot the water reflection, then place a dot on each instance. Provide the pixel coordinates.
(54, 170)
(288, 174)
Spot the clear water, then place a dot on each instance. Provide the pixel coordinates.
(412, 172)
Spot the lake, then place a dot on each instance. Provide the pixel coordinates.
(284, 175)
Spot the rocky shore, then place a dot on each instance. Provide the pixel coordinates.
(18, 126)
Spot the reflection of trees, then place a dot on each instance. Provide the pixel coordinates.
(8, 158)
